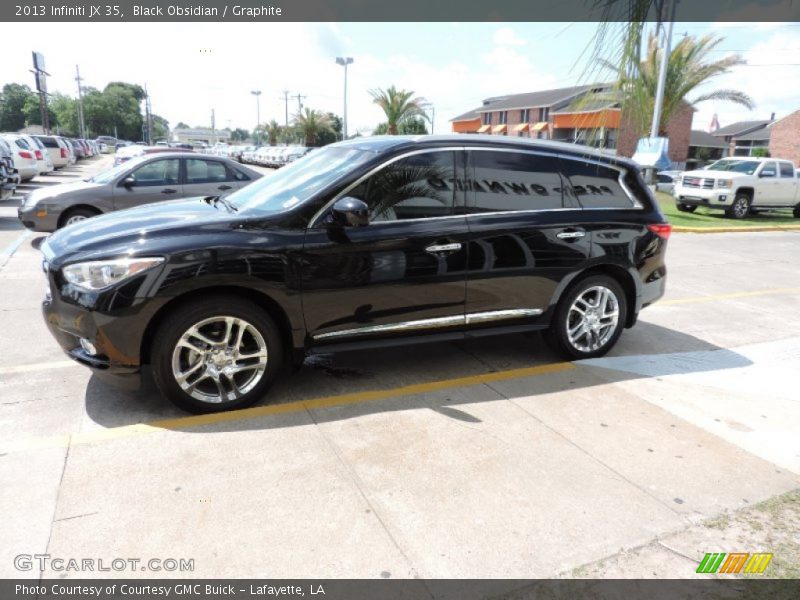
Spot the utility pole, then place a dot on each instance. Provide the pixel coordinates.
(669, 17)
(299, 101)
(433, 118)
(344, 61)
(81, 122)
(148, 115)
(257, 94)
(286, 103)
(213, 126)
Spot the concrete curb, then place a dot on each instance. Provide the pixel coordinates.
(745, 229)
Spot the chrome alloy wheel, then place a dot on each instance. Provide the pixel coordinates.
(75, 219)
(740, 207)
(592, 319)
(219, 359)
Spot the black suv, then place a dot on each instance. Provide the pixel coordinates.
(366, 242)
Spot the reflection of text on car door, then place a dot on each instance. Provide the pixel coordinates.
(154, 181)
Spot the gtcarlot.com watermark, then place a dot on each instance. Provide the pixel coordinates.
(46, 562)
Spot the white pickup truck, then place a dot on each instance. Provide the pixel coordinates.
(740, 185)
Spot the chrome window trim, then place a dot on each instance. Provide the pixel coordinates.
(314, 220)
(635, 204)
(453, 321)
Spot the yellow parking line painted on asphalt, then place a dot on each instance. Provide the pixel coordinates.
(56, 364)
(732, 295)
(180, 423)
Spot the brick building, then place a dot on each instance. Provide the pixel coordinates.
(784, 139)
(584, 114)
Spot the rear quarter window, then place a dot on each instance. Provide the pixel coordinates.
(595, 186)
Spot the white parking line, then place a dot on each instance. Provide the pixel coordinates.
(43, 366)
(9, 250)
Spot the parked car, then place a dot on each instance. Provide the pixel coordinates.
(109, 141)
(363, 243)
(294, 153)
(56, 148)
(10, 178)
(24, 156)
(665, 181)
(80, 151)
(148, 178)
(43, 162)
(129, 152)
(739, 186)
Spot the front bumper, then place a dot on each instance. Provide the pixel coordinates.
(38, 218)
(720, 197)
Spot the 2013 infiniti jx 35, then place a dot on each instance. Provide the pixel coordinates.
(366, 242)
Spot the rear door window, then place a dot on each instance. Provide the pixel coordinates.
(503, 181)
(594, 185)
(199, 170)
(787, 170)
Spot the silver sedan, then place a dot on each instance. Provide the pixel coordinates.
(146, 179)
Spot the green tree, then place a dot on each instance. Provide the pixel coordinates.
(334, 135)
(688, 67)
(182, 125)
(398, 106)
(32, 111)
(310, 123)
(760, 152)
(239, 135)
(12, 106)
(65, 110)
(160, 128)
(412, 126)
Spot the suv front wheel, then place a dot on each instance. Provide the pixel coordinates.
(218, 354)
(589, 318)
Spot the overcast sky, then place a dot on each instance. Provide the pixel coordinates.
(190, 68)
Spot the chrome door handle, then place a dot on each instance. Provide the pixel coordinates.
(570, 235)
(444, 247)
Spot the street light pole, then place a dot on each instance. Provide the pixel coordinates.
(257, 94)
(344, 61)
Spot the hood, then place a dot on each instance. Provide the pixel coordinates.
(714, 174)
(60, 190)
(125, 231)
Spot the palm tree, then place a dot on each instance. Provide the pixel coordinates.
(273, 130)
(688, 68)
(310, 123)
(399, 106)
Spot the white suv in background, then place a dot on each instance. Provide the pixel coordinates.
(740, 185)
(56, 149)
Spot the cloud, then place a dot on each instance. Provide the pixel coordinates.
(506, 36)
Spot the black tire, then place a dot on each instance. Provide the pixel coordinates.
(76, 214)
(797, 212)
(173, 328)
(557, 335)
(740, 207)
(690, 208)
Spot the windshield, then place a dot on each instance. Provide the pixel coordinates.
(114, 172)
(299, 180)
(738, 166)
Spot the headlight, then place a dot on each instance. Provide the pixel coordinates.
(724, 183)
(101, 274)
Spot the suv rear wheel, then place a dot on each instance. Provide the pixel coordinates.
(218, 354)
(690, 208)
(589, 318)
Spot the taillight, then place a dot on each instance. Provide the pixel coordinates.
(38, 155)
(63, 153)
(25, 154)
(662, 230)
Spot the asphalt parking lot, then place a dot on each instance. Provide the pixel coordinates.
(487, 458)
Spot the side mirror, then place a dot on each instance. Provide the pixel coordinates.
(129, 181)
(350, 212)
